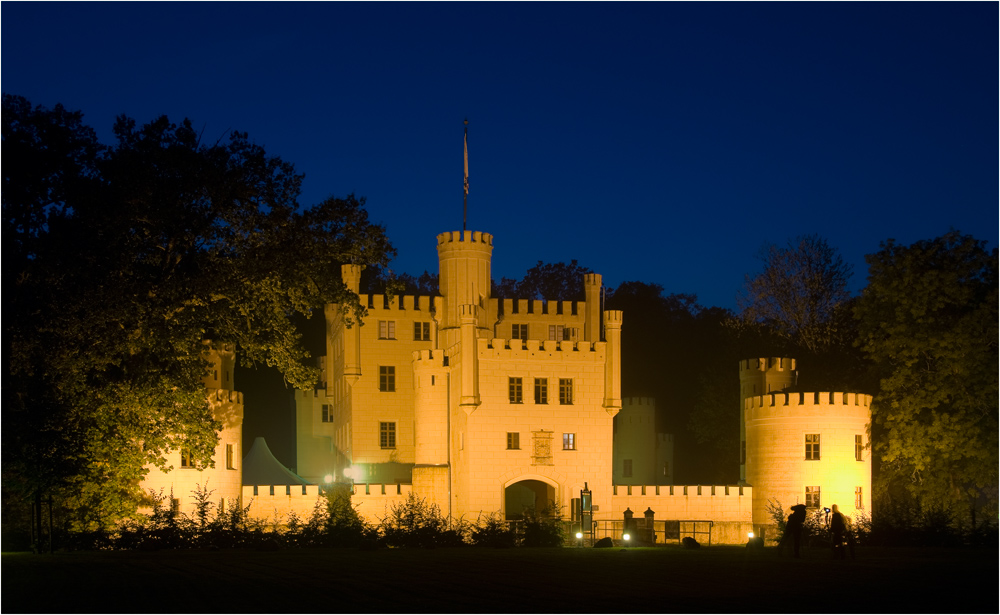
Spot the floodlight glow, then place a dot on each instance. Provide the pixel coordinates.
(328, 478)
(626, 537)
(579, 535)
(348, 472)
(749, 534)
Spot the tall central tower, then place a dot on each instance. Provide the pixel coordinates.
(464, 259)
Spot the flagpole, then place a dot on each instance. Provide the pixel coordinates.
(465, 197)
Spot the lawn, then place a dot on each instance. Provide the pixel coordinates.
(581, 580)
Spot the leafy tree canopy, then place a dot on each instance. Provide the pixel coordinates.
(928, 321)
(548, 281)
(121, 260)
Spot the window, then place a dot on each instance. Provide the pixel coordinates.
(515, 391)
(387, 329)
(812, 446)
(387, 435)
(386, 378)
(421, 331)
(569, 441)
(187, 460)
(175, 506)
(519, 332)
(513, 441)
(743, 451)
(859, 500)
(812, 497)
(327, 415)
(859, 448)
(566, 391)
(627, 468)
(230, 457)
(541, 390)
(666, 468)
(556, 332)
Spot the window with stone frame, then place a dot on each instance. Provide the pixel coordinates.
(541, 390)
(519, 332)
(859, 447)
(513, 441)
(812, 497)
(421, 331)
(569, 441)
(566, 391)
(387, 434)
(386, 378)
(515, 390)
(812, 446)
(859, 500)
(387, 329)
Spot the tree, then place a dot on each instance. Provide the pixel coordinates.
(552, 282)
(928, 321)
(122, 260)
(798, 292)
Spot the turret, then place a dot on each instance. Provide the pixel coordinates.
(759, 376)
(612, 366)
(592, 316)
(351, 275)
(464, 259)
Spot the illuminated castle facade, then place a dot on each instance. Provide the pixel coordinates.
(482, 406)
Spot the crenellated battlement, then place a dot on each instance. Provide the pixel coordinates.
(428, 359)
(568, 310)
(506, 349)
(823, 403)
(638, 401)
(225, 395)
(465, 237)
(379, 304)
(766, 364)
(591, 279)
(471, 311)
(612, 318)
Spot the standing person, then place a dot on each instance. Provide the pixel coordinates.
(837, 528)
(793, 527)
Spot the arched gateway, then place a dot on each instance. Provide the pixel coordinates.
(527, 493)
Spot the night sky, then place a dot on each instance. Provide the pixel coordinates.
(655, 142)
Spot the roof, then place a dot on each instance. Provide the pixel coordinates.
(260, 467)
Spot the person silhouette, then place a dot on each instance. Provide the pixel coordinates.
(838, 527)
(793, 527)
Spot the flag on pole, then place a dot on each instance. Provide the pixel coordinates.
(466, 157)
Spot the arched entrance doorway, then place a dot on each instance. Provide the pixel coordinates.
(526, 494)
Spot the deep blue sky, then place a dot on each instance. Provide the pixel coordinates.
(656, 142)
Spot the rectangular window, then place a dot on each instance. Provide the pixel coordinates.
(513, 441)
(566, 391)
(327, 415)
(541, 390)
(175, 506)
(187, 460)
(556, 332)
(859, 500)
(515, 391)
(519, 332)
(859, 447)
(812, 446)
(627, 468)
(569, 441)
(666, 468)
(421, 331)
(387, 329)
(230, 457)
(387, 435)
(386, 378)
(812, 497)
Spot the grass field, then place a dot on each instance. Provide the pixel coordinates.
(580, 580)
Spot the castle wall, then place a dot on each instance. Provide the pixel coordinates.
(488, 465)
(274, 503)
(639, 452)
(728, 507)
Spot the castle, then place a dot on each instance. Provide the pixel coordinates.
(481, 405)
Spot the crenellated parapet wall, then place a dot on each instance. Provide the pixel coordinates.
(728, 507)
(806, 404)
(572, 310)
(399, 305)
(514, 350)
(374, 501)
(465, 240)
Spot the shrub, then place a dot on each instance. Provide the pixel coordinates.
(493, 531)
(417, 523)
(543, 526)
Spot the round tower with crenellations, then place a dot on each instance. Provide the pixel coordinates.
(801, 447)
